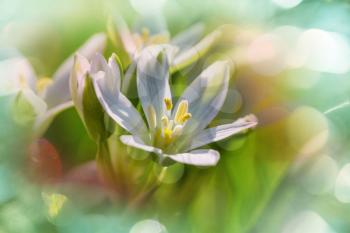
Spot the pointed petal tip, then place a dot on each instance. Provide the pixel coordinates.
(251, 118)
(100, 38)
(216, 156)
(201, 158)
(80, 63)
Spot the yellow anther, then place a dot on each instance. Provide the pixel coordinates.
(186, 117)
(168, 103)
(182, 112)
(152, 117)
(42, 84)
(165, 122)
(159, 39)
(145, 34)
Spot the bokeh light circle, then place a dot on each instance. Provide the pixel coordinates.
(307, 221)
(287, 3)
(148, 226)
(320, 177)
(308, 130)
(342, 185)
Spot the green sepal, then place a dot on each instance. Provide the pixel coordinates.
(98, 125)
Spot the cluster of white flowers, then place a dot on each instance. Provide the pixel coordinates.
(97, 88)
(172, 132)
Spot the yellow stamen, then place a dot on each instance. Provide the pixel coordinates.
(171, 123)
(165, 122)
(181, 112)
(42, 84)
(145, 34)
(168, 103)
(152, 117)
(186, 117)
(177, 130)
(159, 39)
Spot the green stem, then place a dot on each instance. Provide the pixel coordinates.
(147, 191)
(105, 165)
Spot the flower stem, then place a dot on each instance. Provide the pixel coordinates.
(105, 165)
(147, 192)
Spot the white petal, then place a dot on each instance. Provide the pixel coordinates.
(112, 70)
(116, 70)
(58, 92)
(153, 80)
(189, 37)
(43, 121)
(136, 142)
(119, 108)
(126, 36)
(39, 106)
(206, 95)
(129, 77)
(195, 52)
(223, 131)
(197, 157)
(16, 73)
(77, 80)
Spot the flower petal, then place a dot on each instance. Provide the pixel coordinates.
(192, 54)
(197, 157)
(189, 37)
(126, 36)
(136, 142)
(206, 95)
(113, 70)
(223, 131)
(58, 92)
(119, 108)
(153, 81)
(81, 67)
(43, 121)
(39, 106)
(16, 73)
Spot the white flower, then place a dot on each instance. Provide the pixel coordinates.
(187, 46)
(174, 132)
(47, 97)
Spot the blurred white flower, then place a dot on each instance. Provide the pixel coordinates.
(186, 48)
(46, 97)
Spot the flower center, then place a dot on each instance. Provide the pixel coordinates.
(170, 128)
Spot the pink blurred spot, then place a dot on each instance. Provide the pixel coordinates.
(44, 161)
